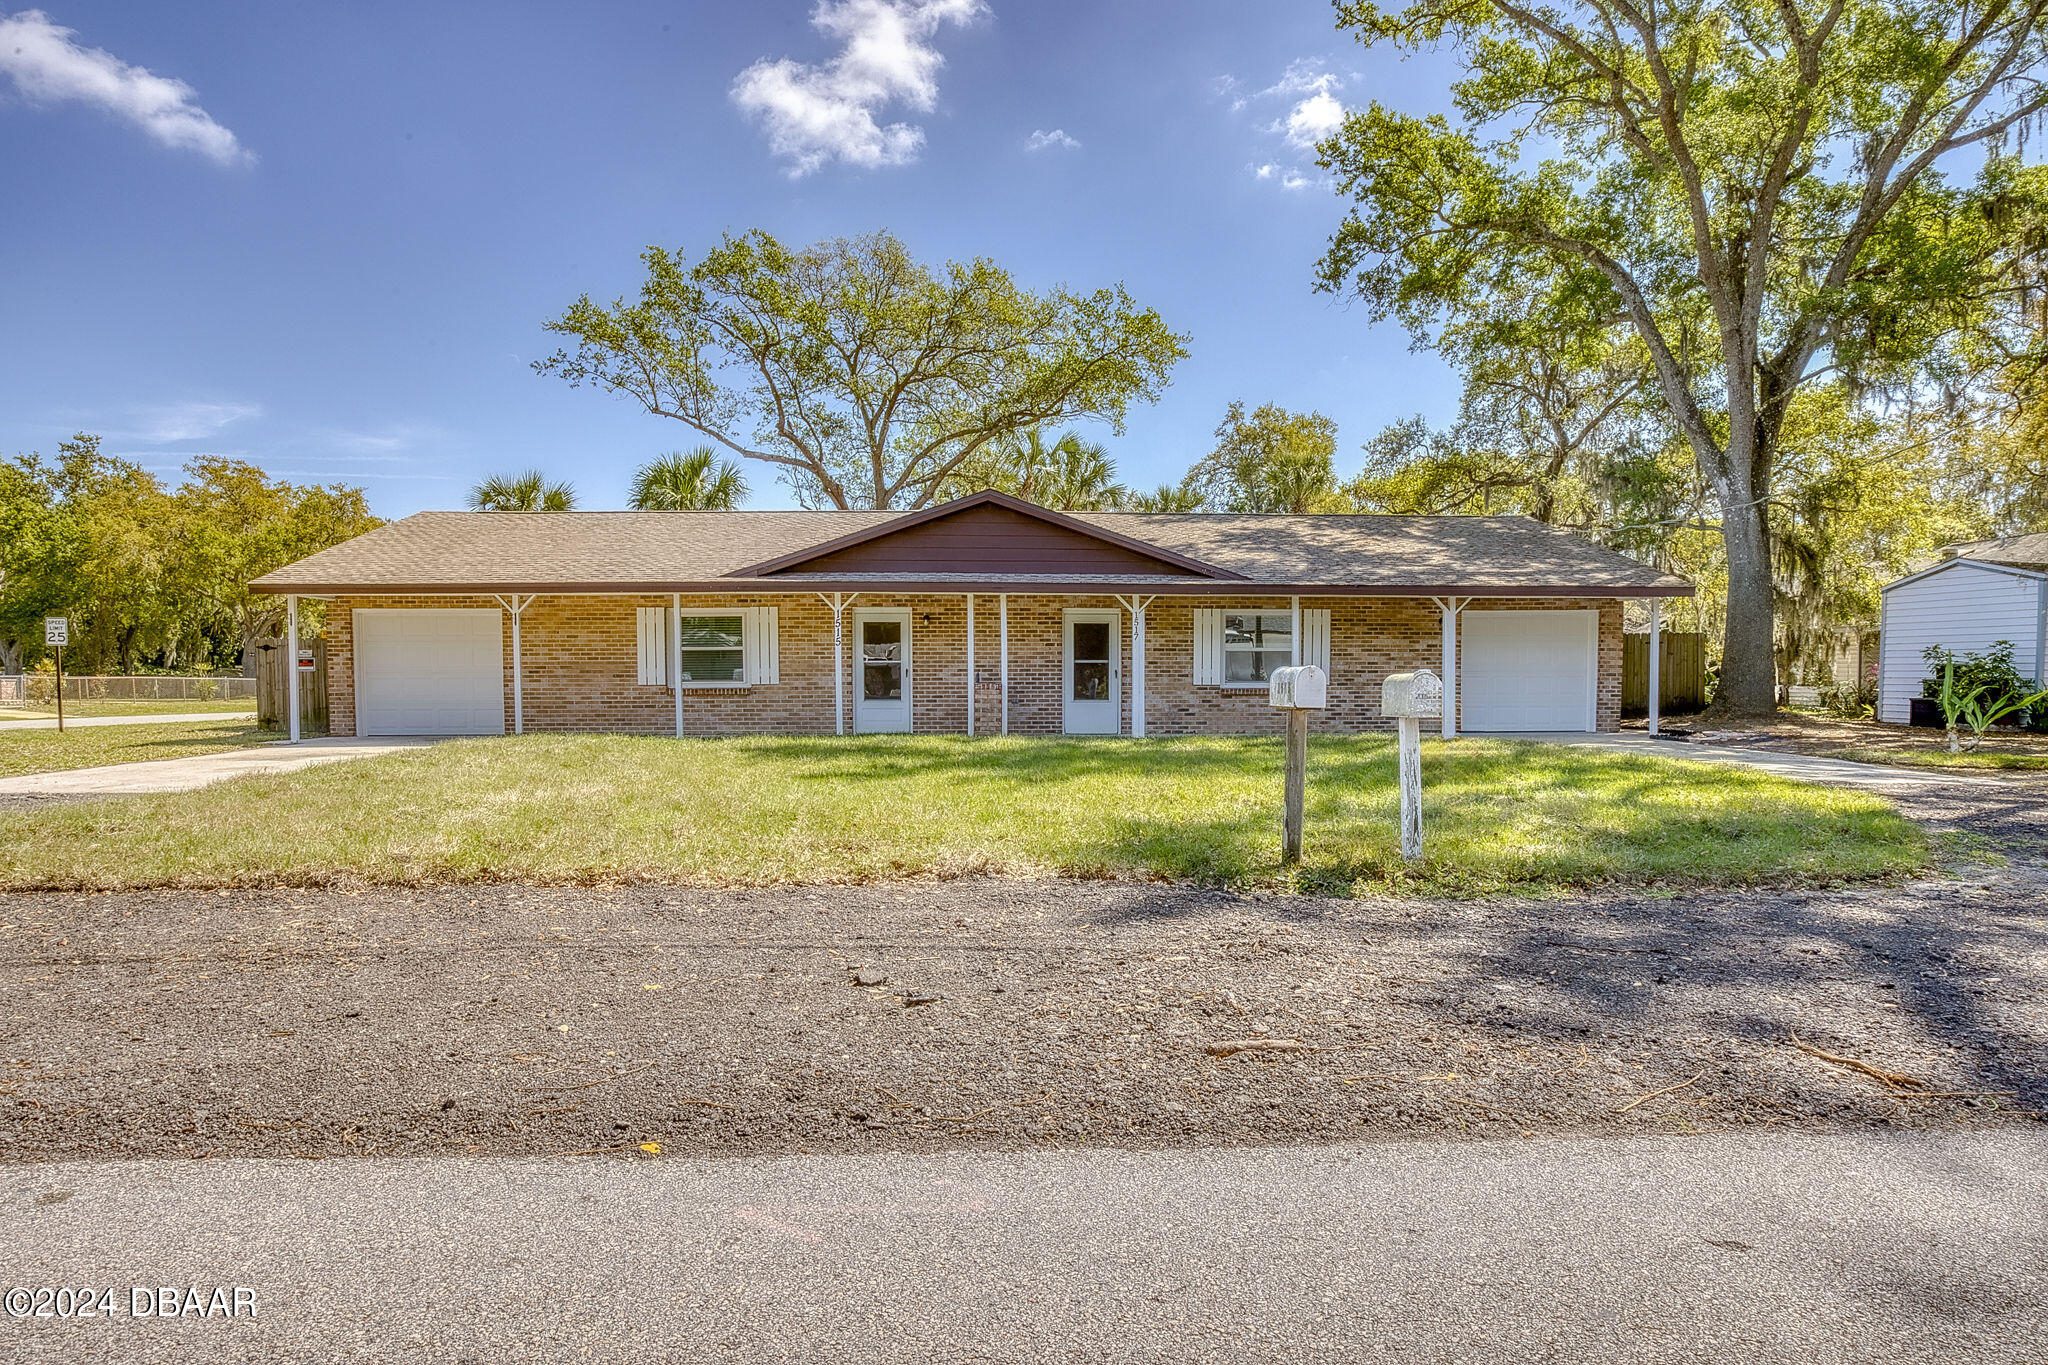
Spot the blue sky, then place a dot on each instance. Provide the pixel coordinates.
(324, 238)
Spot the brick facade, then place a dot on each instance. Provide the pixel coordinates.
(581, 672)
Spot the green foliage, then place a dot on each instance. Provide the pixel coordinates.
(149, 572)
(692, 481)
(1270, 460)
(1167, 497)
(864, 376)
(1988, 677)
(1758, 192)
(527, 492)
(1069, 474)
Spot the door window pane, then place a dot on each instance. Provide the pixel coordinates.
(881, 653)
(1091, 681)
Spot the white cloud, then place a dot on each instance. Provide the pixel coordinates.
(1305, 109)
(194, 421)
(1314, 119)
(48, 66)
(816, 114)
(1040, 140)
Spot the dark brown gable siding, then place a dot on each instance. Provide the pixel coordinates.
(987, 540)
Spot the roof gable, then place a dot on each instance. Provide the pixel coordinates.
(986, 533)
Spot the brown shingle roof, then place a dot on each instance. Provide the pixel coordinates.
(472, 552)
(2022, 552)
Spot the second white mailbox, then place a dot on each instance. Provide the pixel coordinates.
(1301, 688)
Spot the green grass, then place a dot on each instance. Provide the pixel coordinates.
(48, 751)
(1500, 817)
(105, 707)
(1942, 758)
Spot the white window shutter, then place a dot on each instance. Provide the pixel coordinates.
(1315, 637)
(1208, 663)
(653, 640)
(763, 645)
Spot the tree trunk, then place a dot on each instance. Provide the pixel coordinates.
(1749, 663)
(12, 655)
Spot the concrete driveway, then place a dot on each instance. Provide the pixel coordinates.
(186, 774)
(1752, 1248)
(1833, 772)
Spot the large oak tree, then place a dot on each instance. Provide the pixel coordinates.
(863, 375)
(1772, 193)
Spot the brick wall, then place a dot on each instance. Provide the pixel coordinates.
(581, 663)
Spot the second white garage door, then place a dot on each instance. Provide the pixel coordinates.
(429, 671)
(1529, 670)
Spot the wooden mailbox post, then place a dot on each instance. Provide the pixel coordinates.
(1410, 699)
(1297, 691)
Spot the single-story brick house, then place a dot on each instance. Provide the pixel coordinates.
(983, 615)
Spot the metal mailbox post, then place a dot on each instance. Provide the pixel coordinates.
(1409, 699)
(1297, 691)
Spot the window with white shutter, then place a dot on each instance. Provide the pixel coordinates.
(736, 647)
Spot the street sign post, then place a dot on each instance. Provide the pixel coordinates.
(57, 633)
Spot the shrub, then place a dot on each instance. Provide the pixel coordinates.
(1991, 670)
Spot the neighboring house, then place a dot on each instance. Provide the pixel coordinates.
(982, 615)
(1980, 593)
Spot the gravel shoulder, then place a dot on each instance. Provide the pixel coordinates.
(509, 1020)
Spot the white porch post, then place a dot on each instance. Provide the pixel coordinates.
(1450, 606)
(1138, 666)
(1294, 630)
(1656, 640)
(838, 602)
(518, 679)
(291, 666)
(970, 665)
(675, 654)
(1003, 612)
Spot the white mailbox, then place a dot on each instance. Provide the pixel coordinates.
(1419, 695)
(1304, 688)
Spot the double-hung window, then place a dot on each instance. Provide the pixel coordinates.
(735, 647)
(1254, 644)
(712, 649)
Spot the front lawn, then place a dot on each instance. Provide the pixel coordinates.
(90, 746)
(1500, 817)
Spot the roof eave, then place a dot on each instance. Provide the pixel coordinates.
(1095, 587)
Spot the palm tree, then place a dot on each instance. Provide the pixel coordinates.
(1069, 474)
(1168, 497)
(688, 481)
(528, 492)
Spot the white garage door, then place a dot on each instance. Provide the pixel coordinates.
(429, 671)
(1528, 670)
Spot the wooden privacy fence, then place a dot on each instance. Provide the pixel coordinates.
(1681, 672)
(271, 668)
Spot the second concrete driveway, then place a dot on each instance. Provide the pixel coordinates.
(185, 774)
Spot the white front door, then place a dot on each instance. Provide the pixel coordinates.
(1528, 670)
(881, 670)
(429, 671)
(1094, 671)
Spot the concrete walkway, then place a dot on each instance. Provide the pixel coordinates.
(77, 722)
(1832, 772)
(185, 774)
(1751, 1249)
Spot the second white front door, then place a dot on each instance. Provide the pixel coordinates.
(881, 670)
(1094, 671)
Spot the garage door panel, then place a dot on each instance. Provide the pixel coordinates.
(429, 671)
(1528, 670)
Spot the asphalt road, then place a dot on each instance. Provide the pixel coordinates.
(1750, 1248)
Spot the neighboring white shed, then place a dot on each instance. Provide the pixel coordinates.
(1963, 605)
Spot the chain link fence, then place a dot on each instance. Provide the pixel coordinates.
(40, 689)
